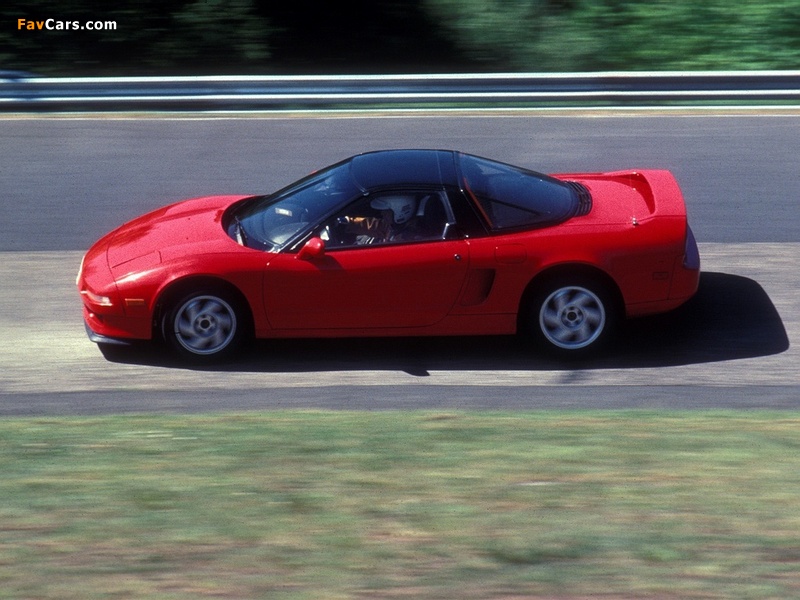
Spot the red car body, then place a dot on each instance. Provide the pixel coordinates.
(631, 250)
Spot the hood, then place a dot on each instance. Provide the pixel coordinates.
(191, 222)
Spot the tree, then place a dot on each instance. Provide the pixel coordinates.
(592, 35)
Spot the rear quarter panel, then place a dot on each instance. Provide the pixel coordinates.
(635, 234)
(638, 258)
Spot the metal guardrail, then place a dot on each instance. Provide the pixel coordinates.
(47, 94)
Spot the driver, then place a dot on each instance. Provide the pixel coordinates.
(393, 224)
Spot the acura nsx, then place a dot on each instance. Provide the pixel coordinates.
(398, 243)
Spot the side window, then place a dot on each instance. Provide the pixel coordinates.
(390, 218)
(510, 197)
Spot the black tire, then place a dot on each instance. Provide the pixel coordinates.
(572, 316)
(204, 326)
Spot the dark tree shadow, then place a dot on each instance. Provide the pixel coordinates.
(730, 317)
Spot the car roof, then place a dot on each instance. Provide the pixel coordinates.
(403, 167)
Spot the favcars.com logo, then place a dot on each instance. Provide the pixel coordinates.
(56, 25)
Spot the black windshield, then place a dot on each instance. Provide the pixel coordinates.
(268, 223)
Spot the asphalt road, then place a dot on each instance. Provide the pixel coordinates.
(67, 181)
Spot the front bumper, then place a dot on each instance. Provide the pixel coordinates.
(107, 318)
(103, 339)
(116, 327)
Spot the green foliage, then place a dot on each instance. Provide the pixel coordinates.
(150, 36)
(491, 31)
(216, 30)
(591, 35)
(260, 36)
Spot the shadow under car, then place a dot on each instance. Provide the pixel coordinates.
(731, 317)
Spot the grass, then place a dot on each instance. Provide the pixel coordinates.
(392, 505)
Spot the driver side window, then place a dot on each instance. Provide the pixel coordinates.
(389, 218)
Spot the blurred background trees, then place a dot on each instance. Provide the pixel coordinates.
(393, 36)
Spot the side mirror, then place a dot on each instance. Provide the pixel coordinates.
(312, 249)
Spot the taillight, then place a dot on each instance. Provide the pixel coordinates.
(691, 255)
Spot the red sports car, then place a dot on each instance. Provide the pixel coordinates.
(398, 243)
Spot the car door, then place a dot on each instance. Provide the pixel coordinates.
(405, 282)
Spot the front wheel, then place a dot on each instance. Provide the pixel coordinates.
(204, 326)
(572, 317)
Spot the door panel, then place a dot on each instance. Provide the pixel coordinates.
(405, 285)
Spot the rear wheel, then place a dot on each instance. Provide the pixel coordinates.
(204, 326)
(572, 316)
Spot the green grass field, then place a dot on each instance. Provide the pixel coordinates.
(401, 505)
